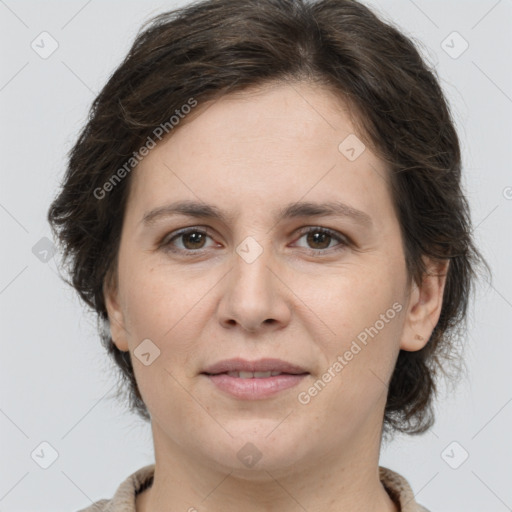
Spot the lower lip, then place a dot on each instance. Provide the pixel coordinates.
(256, 388)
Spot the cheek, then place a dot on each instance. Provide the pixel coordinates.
(352, 299)
(353, 384)
(155, 299)
(160, 308)
(365, 311)
(368, 320)
(166, 308)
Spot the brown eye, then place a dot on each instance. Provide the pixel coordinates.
(192, 240)
(319, 240)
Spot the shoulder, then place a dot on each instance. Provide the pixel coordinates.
(125, 495)
(98, 506)
(400, 491)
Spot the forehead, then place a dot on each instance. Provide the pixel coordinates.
(263, 146)
(279, 115)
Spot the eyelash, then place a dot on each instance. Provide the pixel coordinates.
(166, 242)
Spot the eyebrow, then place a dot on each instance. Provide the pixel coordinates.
(293, 210)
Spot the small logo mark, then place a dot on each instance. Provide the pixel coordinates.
(146, 352)
(454, 455)
(249, 455)
(44, 250)
(44, 45)
(454, 45)
(44, 455)
(351, 147)
(249, 250)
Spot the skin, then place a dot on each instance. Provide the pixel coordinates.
(252, 153)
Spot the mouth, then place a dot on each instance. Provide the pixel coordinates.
(253, 375)
(253, 380)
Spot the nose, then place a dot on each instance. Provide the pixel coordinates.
(254, 296)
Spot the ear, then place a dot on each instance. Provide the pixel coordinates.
(424, 308)
(115, 314)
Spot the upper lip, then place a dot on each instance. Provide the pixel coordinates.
(261, 365)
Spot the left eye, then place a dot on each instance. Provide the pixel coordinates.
(322, 237)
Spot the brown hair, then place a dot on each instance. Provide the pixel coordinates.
(211, 48)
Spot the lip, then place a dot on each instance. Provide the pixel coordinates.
(261, 365)
(254, 388)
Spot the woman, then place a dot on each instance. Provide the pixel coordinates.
(265, 210)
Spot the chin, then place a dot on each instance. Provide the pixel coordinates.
(252, 452)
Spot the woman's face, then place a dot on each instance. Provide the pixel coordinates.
(251, 284)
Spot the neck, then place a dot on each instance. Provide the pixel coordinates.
(332, 482)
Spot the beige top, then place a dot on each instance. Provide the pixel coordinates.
(124, 499)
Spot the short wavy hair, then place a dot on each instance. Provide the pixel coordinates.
(211, 48)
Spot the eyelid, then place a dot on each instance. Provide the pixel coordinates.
(165, 241)
(333, 233)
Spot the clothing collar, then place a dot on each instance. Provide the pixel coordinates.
(396, 486)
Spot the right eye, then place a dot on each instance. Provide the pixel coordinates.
(192, 239)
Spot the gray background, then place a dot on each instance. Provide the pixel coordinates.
(55, 379)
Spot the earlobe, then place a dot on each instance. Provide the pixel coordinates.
(426, 302)
(115, 316)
